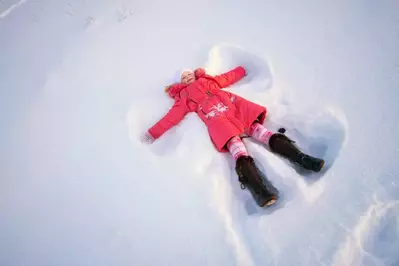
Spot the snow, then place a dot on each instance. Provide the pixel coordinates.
(6, 12)
(80, 81)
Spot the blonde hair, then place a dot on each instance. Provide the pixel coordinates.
(185, 70)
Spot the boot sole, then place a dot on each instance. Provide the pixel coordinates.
(321, 167)
(270, 202)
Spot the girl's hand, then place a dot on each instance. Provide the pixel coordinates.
(146, 138)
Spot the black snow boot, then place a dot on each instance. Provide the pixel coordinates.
(281, 144)
(263, 192)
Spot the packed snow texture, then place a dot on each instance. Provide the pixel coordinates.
(81, 81)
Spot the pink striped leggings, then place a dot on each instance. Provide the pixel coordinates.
(257, 131)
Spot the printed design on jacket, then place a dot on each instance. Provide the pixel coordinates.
(216, 110)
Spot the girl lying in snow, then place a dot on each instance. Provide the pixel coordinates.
(227, 117)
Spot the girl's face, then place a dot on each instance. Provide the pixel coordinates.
(187, 77)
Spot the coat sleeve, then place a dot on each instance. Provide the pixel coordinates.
(230, 77)
(170, 119)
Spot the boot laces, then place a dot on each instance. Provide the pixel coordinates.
(253, 172)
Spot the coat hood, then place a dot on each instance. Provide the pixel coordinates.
(174, 89)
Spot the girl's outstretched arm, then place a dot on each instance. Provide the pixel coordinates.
(170, 119)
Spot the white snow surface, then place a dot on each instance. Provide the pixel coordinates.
(80, 81)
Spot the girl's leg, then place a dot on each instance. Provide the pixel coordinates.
(280, 144)
(237, 147)
(264, 193)
(260, 133)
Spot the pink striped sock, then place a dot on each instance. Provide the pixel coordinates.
(237, 147)
(260, 133)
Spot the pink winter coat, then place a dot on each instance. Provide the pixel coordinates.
(225, 114)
